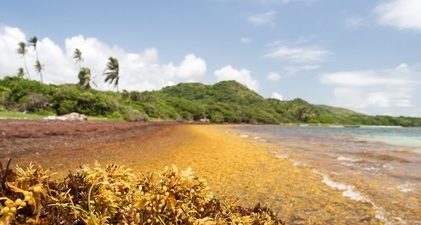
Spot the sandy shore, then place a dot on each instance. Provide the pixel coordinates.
(232, 165)
(240, 167)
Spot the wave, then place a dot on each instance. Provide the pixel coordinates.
(352, 193)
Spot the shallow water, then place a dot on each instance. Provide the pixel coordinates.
(380, 166)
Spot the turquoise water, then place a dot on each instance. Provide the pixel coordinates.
(397, 136)
(409, 137)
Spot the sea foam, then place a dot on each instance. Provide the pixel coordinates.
(405, 187)
(343, 158)
(347, 190)
(352, 193)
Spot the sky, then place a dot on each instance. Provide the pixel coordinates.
(364, 55)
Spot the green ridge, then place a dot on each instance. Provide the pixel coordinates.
(226, 101)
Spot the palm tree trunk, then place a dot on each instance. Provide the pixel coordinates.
(26, 67)
(40, 72)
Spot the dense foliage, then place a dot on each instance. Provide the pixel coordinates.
(226, 101)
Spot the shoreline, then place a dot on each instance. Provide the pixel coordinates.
(242, 168)
(233, 167)
(378, 173)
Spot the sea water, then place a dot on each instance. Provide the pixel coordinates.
(377, 165)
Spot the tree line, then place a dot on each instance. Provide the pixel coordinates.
(111, 72)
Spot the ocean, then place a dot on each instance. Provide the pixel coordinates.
(377, 165)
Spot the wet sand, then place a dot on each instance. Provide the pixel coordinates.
(233, 166)
(386, 176)
(236, 166)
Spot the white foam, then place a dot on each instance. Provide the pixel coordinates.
(405, 187)
(244, 136)
(350, 191)
(297, 163)
(343, 158)
(347, 190)
(372, 168)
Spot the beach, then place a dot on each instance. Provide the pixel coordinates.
(234, 165)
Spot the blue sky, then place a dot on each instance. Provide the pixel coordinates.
(364, 55)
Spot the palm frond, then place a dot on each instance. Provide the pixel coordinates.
(112, 71)
(33, 41)
(22, 48)
(38, 66)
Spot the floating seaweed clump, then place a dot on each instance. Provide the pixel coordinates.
(115, 195)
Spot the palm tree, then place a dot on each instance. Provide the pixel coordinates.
(85, 77)
(77, 55)
(22, 51)
(38, 66)
(112, 72)
(21, 72)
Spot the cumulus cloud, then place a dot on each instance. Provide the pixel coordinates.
(278, 96)
(263, 19)
(273, 76)
(242, 76)
(246, 40)
(9, 39)
(191, 67)
(138, 71)
(386, 88)
(403, 14)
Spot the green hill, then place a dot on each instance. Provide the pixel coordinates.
(226, 101)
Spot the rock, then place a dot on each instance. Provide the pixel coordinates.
(68, 117)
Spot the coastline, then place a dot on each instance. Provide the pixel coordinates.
(232, 165)
(244, 168)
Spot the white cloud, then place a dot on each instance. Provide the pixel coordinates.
(403, 67)
(303, 54)
(192, 67)
(388, 88)
(273, 76)
(246, 40)
(403, 14)
(9, 60)
(296, 56)
(355, 22)
(138, 71)
(364, 78)
(242, 76)
(267, 18)
(278, 96)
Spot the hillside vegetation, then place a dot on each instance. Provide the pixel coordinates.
(226, 101)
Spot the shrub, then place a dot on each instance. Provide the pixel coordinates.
(34, 102)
